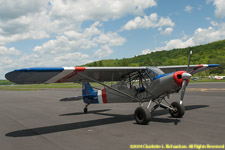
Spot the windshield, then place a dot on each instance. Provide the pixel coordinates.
(153, 72)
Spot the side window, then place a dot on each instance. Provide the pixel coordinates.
(152, 75)
(153, 72)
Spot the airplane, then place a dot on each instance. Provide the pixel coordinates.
(150, 84)
(196, 78)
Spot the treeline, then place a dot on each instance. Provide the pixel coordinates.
(212, 53)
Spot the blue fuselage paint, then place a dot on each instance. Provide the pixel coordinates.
(90, 96)
(162, 75)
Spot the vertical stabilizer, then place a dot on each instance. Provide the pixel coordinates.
(90, 96)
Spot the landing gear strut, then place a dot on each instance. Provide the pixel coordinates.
(142, 115)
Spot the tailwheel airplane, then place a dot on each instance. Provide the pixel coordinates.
(133, 84)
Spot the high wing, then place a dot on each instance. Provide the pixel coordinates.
(87, 74)
(193, 69)
(69, 74)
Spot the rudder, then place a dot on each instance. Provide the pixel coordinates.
(90, 96)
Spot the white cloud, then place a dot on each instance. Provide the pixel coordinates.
(9, 51)
(104, 51)
(110, 38)
(23, 19)
(167, 31)
(200, 36)
(68, 49)
(188, 8)
(220, 7)
(90, 38)
(63, 59)
(8, 57)
(214, 23)
(17, 8)
(80, 10)
(177, 43)
(150, 21)
(30, 26)
(146, 51)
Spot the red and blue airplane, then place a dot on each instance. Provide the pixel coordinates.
(133, 84)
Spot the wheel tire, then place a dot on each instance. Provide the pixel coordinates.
(180, 110)
(142, 115)
(85, 110)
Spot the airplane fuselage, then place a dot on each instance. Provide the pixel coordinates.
(161, 86)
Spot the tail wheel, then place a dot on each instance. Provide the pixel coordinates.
(142, 115)
(179, 110)
(85, 110)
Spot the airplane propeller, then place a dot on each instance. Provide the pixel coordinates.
(186, 77)
(189, 60)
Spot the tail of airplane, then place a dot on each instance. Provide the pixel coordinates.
(90, 96)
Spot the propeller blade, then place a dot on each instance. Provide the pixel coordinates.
(186, 77)
(183, 88)
(189, 60)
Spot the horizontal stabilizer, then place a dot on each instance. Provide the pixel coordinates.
(68, 99)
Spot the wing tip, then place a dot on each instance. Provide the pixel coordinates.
(11, 76)
(213, 65)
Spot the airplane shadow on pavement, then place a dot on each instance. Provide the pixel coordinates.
(113, 118)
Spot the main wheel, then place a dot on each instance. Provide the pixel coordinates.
(179, 110)
(142, 115)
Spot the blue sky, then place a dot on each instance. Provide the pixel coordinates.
(69, 33)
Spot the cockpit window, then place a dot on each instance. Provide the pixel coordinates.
(153, 72)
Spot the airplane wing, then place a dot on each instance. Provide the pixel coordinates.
(69, 74)
(85, 74)
(193, 69)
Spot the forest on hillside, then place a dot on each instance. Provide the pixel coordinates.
(212, 53)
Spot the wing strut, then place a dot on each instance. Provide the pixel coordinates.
(125, 94)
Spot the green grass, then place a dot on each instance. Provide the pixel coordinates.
(36, 87)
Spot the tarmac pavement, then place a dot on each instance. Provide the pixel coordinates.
(37, 120)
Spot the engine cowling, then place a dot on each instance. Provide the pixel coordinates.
(179, 76)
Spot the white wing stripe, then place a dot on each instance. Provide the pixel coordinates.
(65, 72)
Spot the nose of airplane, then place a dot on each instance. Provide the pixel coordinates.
(186, 76)
(179, 76)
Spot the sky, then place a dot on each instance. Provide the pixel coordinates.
(61, 33)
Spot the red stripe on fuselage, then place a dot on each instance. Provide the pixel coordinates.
(104, 99)
(67, 77)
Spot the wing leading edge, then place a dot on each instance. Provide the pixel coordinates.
(77, 74)
(193, 69)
